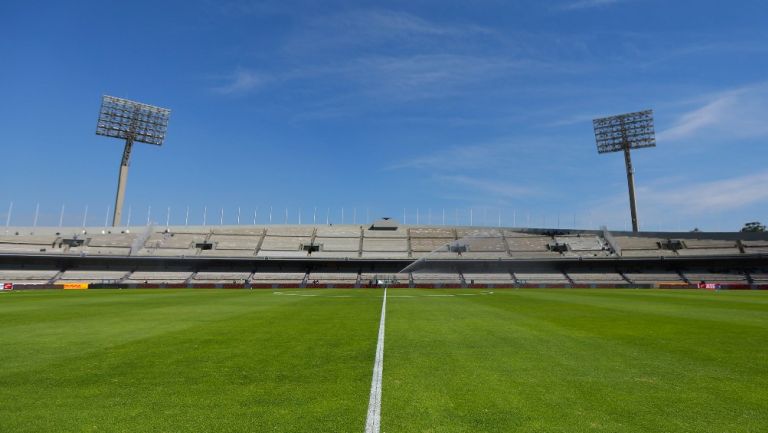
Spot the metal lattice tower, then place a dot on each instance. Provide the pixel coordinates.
(133, 122)
(622, 133)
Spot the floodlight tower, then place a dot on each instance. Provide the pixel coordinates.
(133, 122)
(623, 133)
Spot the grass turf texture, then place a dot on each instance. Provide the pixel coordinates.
(516, 360)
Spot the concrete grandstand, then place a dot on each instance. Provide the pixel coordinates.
(359, 256)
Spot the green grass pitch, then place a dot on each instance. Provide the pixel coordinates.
(301, 361)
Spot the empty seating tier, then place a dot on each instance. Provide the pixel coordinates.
(708, 251)
(290, 231)
(541, 278)
(221, 277)
(503, 279)
(529, 243)
(441, 278)
(284, 243)
(123, 240)
(709, 243)
(638, 243)
(173, 241)
(235, 242)
(338, 244)
(484, 244)
(338, 231)
(277, 278)
(596, 278)
(479, 233)
(371, 244)
(587, 243)
(26, 276)
(158, 277)
(331, 278)
(715, 277)
(431, 244)
(653, 277)
(424, 232)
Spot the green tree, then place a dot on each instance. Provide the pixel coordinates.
(753, 226)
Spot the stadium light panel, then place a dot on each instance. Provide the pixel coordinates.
(631, 131)
(129, 120)
(133, 122)
(623, 133)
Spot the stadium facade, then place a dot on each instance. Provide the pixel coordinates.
(365, 255)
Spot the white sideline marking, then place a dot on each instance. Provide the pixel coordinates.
(373, 422)
(484, 293)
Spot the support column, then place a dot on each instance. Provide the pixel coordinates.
(121, 181)
(631, 184)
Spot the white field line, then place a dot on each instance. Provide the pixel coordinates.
(373, 421)
(485, 293)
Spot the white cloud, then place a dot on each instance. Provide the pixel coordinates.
(242, 81)
(712, 196)
(675, 205)
(739, 113)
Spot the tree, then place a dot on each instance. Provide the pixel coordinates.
(753, 226)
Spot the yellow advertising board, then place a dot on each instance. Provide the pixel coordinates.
(74, 286)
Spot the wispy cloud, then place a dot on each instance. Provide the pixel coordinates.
(712, 196)
(671, 203)
(370, 28)
(386, 23)
(487, 187)
(575, 119)
(430, 75)
(397, 57)
(736, 113)
(481, 156)
(498, 155)
(587, 4)
(242, 81)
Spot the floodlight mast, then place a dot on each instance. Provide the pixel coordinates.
(122, 180)
(623, 133)
(134, 122)
(631, 185)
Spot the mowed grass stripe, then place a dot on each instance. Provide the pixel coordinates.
(515, 362)
(87, 321)
(231, 361)
(711, 306)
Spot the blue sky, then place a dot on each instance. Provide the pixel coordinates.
(388, 108)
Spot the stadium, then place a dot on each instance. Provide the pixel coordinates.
(247, 324)
(487, 329)
(355, 256)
